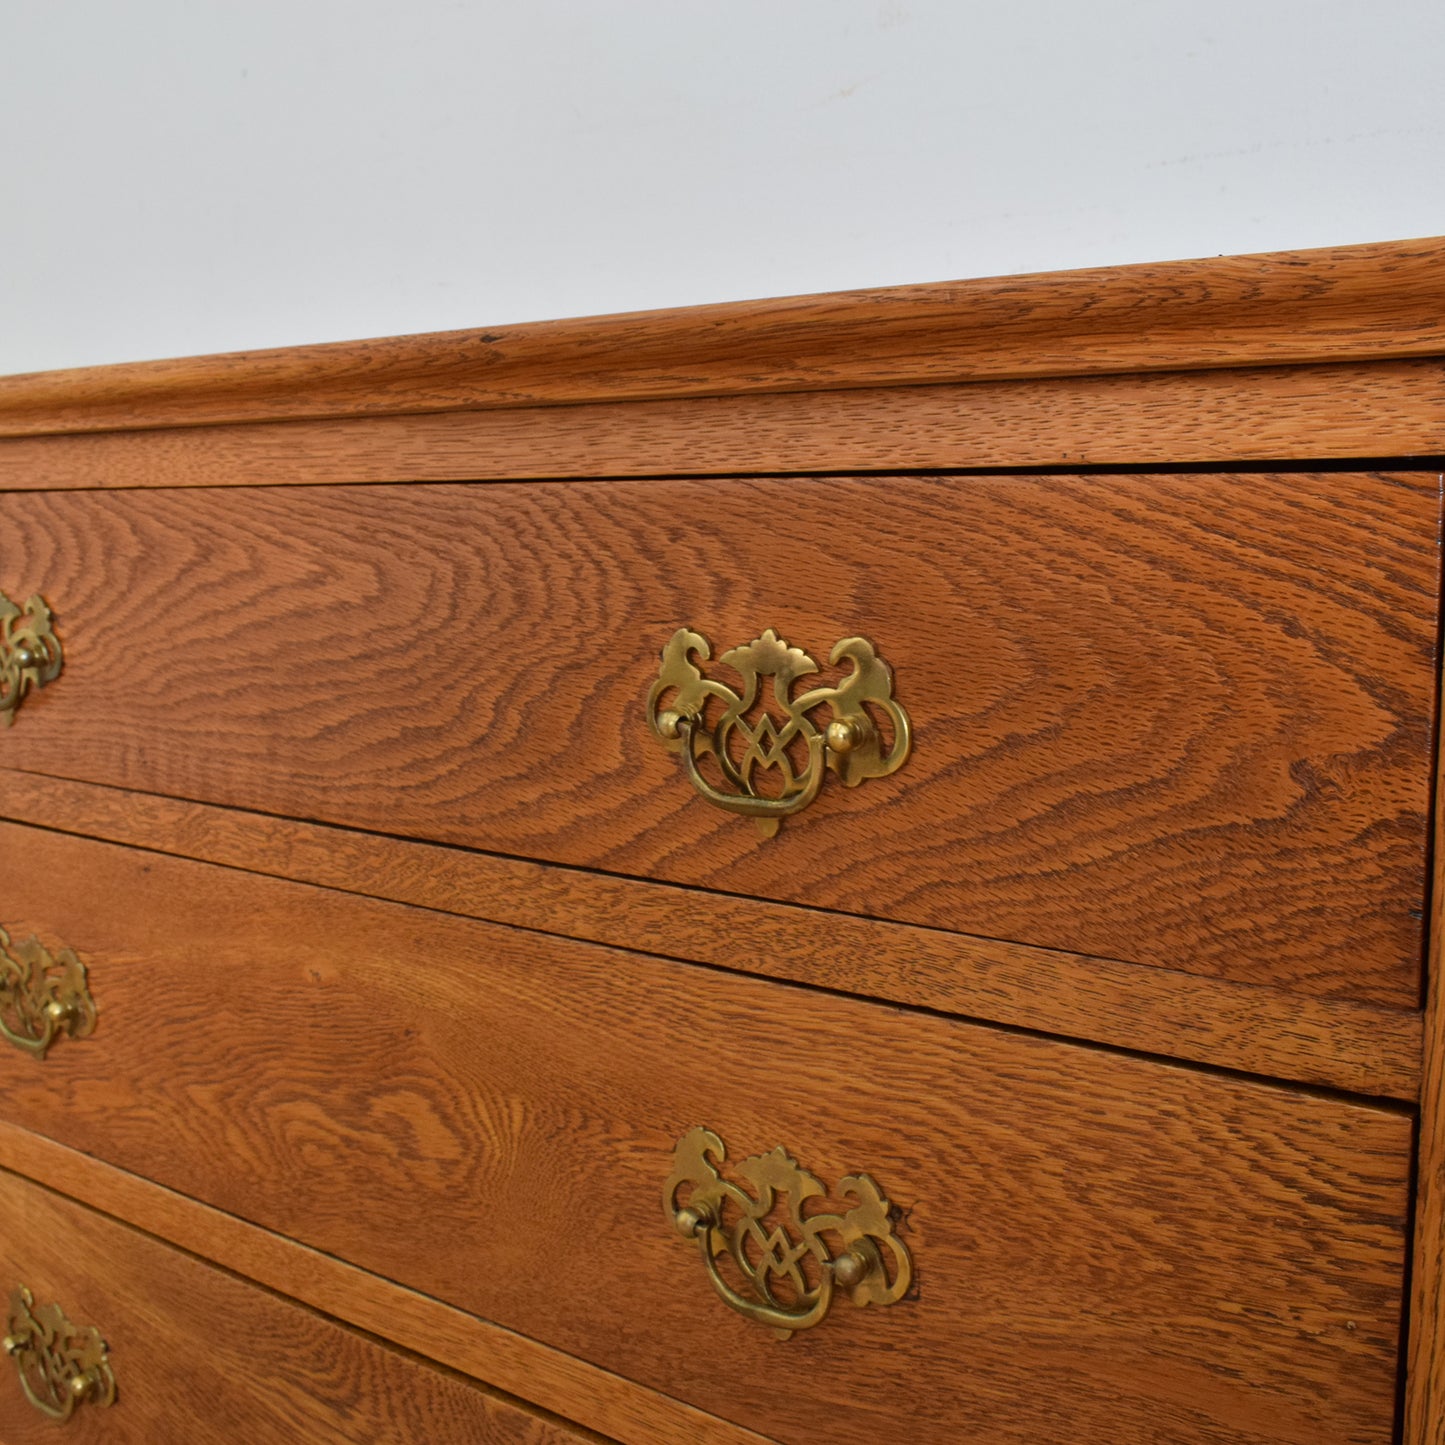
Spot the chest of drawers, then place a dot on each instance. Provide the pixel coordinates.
(851, 865)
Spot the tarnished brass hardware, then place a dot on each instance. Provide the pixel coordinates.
(62, 1366)
(42, 995)
(850, 742)
(792, 1268)
(30, 653)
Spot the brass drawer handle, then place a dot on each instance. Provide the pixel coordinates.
(61, 1365)
(43, 996)
(30, 655)
(850, 741)
(792, 1265)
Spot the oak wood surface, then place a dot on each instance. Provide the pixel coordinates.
(1357, 1047)
(622, 1410)
(1343, 303)
(1425, 1378)
(1175, 720)
(202, 1358)
(1308, 412)
(1116, 1250)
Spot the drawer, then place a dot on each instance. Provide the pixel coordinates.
(1180, 720)
(1105, 1248)
(195, 1355)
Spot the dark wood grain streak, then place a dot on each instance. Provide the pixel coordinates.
(1174, 720)
(1306, 412)
(1109, 1250)
(623, 1411)
(1337, 1042)
(201, 1358)
(1345, 303)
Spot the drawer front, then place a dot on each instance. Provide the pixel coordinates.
(1105, 1248)
(1177, 720)
(196, 1355)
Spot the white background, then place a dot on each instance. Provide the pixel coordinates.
(181, 176)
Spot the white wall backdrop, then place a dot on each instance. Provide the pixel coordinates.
(180, 176)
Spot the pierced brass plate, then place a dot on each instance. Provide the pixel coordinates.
(62, 1366)
(746, 749)
(43, 996)
(793, 1267)
(30, 655)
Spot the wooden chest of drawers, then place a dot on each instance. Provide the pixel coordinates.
(858, 865)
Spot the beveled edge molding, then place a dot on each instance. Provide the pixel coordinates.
(1170, 418)
(580, 1392)
(1357, 1047)
(1345, 303)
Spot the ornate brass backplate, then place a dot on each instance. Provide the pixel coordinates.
(748, 749)
(30, 653)
(43, 995)
(62, 1366)
(793, 1267)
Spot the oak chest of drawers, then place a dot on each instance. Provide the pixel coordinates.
(850, 866)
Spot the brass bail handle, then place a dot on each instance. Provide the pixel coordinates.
(846, 1272)
(44, 996)
(62, 1366)
(744, 749)
(854, 1252)
(30, 653)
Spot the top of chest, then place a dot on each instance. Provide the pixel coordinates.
(1098, 366)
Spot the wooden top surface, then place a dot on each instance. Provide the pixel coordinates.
(1339, 304)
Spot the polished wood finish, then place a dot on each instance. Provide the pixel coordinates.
(1347, 1045)
(618, 1408)
(1171, 797)
(1425, 1376)
(1208, 1257)
(1174, 720)
(1344, 303)
(202, 1358)
(1308, 412)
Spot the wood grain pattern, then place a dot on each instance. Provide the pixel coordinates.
(1307, 412)
(1344, 303)
(623, 1411)
(1425, 1377)
(1178, 720)
(201, 1358)
(1357, 1047)
(1119, 1251)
